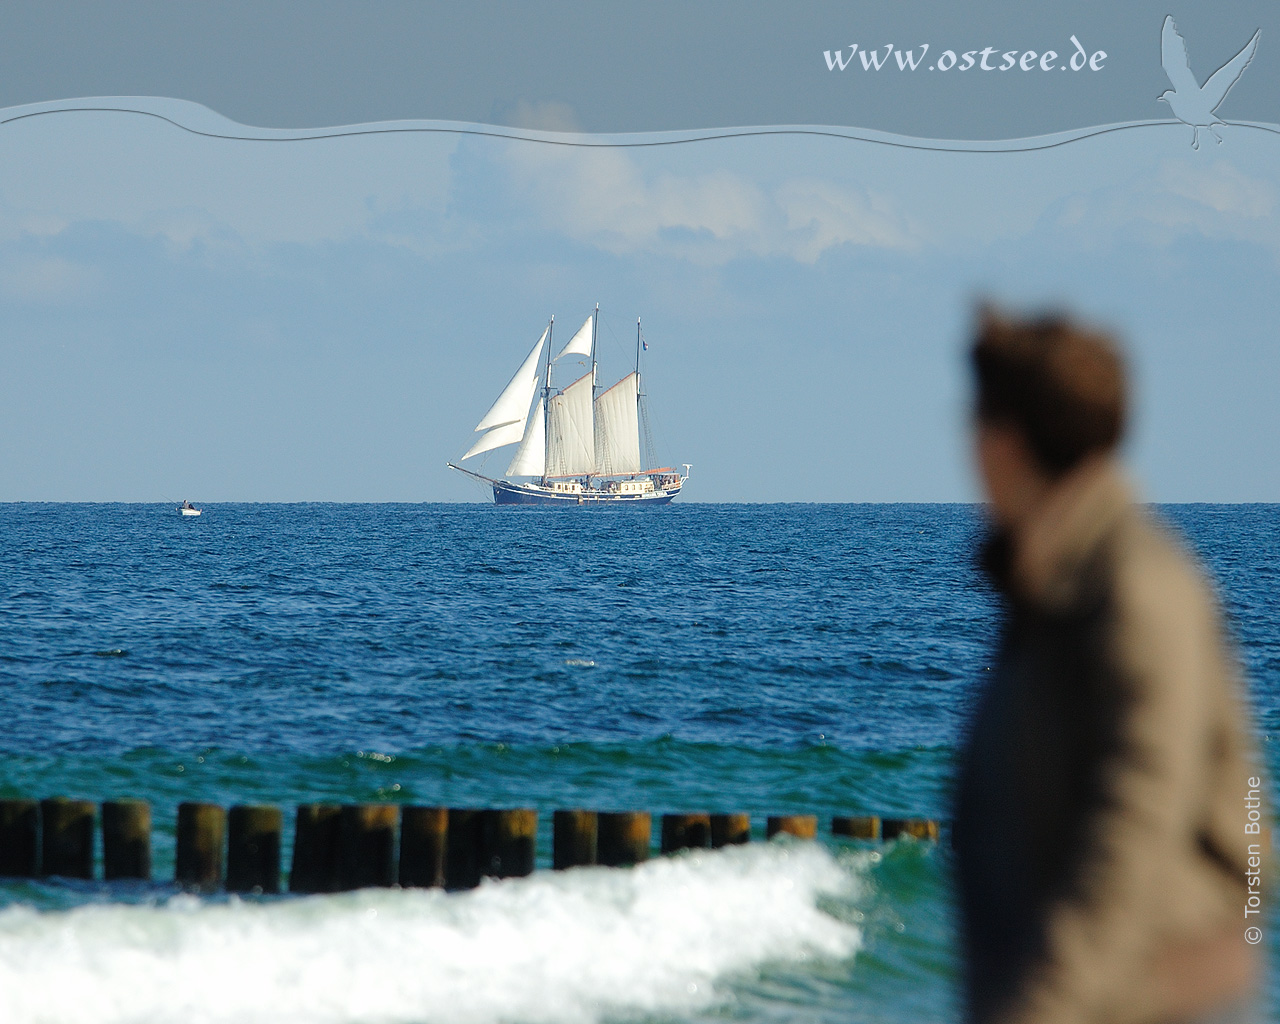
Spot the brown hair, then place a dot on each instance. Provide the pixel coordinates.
(1060, 384)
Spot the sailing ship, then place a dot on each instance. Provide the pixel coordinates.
(580, 445)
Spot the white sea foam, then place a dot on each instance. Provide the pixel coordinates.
(575, 946)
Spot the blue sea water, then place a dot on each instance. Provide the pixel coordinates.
(760, 659)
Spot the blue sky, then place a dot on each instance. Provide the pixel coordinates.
(327, 320)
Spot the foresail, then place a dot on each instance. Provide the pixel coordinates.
(512, 405)
(618, 429)
(508, 433)
(571, 449)
(531, 458)
(580, 343)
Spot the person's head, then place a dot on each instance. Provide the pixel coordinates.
(1049, 394)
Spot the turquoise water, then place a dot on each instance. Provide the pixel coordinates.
(758, 659)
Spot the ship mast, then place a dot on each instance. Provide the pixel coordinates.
(546, 400)
(595, 327)
(639, 393)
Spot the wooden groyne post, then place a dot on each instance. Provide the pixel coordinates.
(126, 840)
(801, 826)
(623, 838)
(510, 842)
(202, 832)
(367, 845)
(253, 849)
(464, 848)
(66, 837)
(730, 830)
(573, 839)
(423, 835)
(19, 839)
(685, 832)
(866, 826)
(315, 849)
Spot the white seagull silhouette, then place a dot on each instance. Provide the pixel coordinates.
(1190, 102)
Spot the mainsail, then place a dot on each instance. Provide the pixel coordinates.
(618, 428)
(571, 449)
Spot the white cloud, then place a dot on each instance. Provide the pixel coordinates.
(820, 215)
(182, 228)
(1220, 187)
(1179, 197)
(607, 198)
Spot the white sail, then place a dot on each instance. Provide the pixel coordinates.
(508, 433)
(571, 448)
(531, 458)
(618, 428)
(512, 405)
(580, 343)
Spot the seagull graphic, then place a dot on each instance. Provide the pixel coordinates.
(1191, 102)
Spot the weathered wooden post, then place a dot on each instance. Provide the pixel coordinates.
(511, 842)
(573, 839)
(126, 840)
(202, 829)
(424, 835)
(315, 849)
(685, 832)
(19, 839)
(622, 838)
(464, 860)
(367, 855)
(802, 826)
(865, 826)
(253, 849)
(66, 837)
(730, 829)
(916, 828)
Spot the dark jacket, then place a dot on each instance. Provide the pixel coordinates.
(1100, 825)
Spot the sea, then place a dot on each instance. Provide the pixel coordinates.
(758, 659)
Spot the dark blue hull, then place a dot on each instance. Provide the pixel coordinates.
(514, 494)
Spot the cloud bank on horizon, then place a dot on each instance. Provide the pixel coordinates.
(326, 319)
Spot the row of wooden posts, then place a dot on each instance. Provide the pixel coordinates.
(343, 847)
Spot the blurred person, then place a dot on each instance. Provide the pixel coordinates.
(1101, 826)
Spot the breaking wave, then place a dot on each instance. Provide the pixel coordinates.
(667, 937)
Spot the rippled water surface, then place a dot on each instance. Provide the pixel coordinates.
(764, 659)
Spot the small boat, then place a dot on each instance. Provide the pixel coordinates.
(188, 509)
(581, 445)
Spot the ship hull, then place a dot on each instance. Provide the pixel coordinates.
(517, 494)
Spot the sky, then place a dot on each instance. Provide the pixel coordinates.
(327, 320)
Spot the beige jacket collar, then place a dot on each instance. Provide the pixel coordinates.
(1051, 552)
